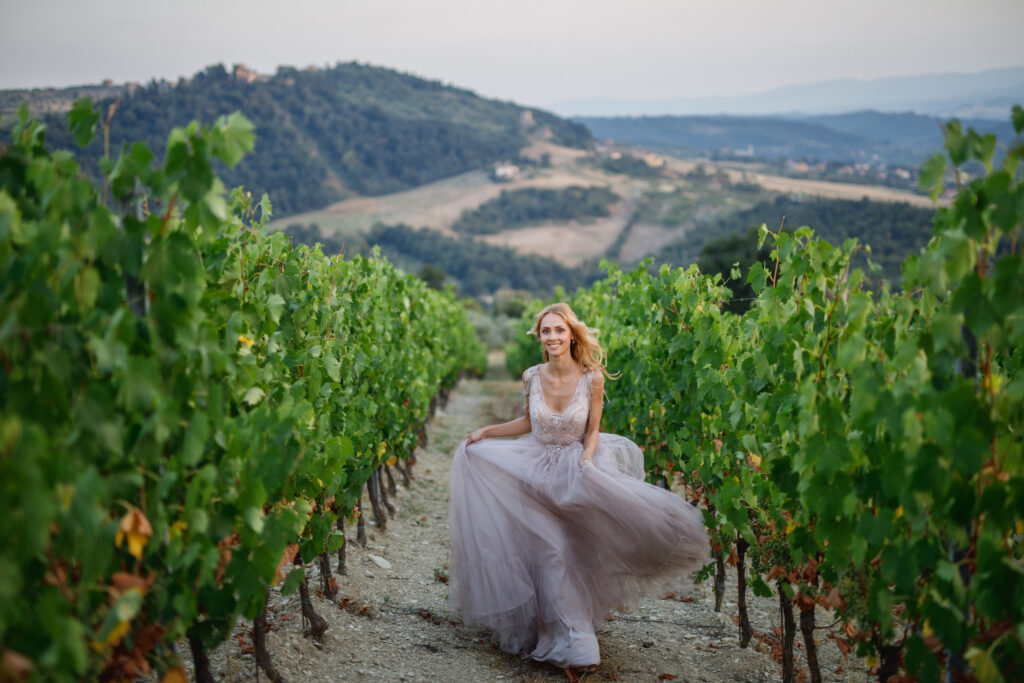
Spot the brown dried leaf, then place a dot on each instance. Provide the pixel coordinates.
(287, 558)
(811, 570)
(834, 599)
(15, 666)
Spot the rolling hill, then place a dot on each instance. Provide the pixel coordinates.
(327, 134)
(905, 139)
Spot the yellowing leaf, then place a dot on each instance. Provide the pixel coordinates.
(178, 528)
(137, 529)
(254, 395)
(242, 339)
(392, 460)
(175, 675)
(66, 492)
(790, 526)
(985, 667)
(118, 632)
(383, 447)
(899, 512)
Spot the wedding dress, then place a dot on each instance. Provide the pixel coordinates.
(543, 549)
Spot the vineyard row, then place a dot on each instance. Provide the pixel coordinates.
(854, 450)
(190, 406)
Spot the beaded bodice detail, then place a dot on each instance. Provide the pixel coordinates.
(554, 428)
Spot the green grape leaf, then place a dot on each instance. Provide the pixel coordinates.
(82, 120)
(235, 136)
(275, 304)
(295, 578)
(931, 174)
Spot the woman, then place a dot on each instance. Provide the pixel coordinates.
(553, 530)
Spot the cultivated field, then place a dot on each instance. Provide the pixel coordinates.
(438, 205)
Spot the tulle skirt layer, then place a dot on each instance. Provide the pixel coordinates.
(542, 550)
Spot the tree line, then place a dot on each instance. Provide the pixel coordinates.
(518, 208)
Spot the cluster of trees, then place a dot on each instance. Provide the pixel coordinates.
(322, 135)
(892, 230)
(473, 268)
(516, 208)
(627, 164)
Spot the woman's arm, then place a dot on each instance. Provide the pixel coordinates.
(520, 425)
(594, 419)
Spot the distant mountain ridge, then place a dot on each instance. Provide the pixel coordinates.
(325, 134)
(905, 139)
(984, 94)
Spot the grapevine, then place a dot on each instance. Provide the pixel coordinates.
(189, 402)
(862, 446)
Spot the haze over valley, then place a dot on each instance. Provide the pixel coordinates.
(488, 195)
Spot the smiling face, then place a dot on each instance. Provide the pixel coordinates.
(555, 335)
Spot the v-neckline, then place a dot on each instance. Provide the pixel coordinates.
(547, 404)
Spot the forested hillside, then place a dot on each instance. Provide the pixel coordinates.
(325, 134)
(893, 231)
(857, 136)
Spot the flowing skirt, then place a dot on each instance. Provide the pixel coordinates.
(542, 551)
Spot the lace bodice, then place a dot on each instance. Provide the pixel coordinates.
(557, 428)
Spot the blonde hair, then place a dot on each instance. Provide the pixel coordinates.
(584, 347)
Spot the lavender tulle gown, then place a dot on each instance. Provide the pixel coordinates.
(541, 551)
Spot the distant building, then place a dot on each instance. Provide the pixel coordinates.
(108, 83)
(526, 119)
(653, 160)
(506, 172)
(244, 73)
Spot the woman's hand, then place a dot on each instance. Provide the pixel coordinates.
(586, 457)
(476, 435)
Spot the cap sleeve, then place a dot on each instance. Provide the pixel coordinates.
(596, 383)
(528, 376)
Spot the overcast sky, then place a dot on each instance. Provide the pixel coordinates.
(534, 52)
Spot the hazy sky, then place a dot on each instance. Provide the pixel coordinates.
(531, 51)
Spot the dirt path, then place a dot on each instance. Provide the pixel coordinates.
(391, 621)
